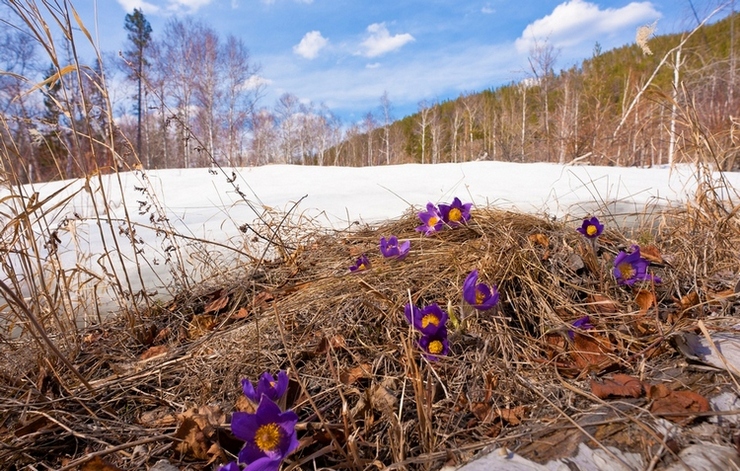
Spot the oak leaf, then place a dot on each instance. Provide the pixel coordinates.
(620, 385)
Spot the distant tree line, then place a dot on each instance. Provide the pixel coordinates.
(191, 99)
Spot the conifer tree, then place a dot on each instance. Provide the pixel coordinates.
(139, 34)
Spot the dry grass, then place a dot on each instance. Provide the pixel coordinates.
(364, 395)
(158, 380)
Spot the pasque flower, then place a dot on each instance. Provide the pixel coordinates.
(390, 248)
(591, 228)
(582, 323)
(629, 268)
(479, 295)
(269, 435)
(456, 213)
(361, 264)
(435, 344)
(431, 220)
(427, 320)
(267, 385)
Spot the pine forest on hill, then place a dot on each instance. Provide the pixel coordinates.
(636, 105)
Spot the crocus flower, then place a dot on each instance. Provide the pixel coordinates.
(629, 268)
(479, 295)
(431, 220)
(427, 320)
(361, 264)
(233, 466)
(269, 435)
(435, 345)
(456, 213)
(591, 228)
(392, 249)
(582, 323)
(267, 385)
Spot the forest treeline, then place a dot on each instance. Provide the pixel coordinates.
(187, 97)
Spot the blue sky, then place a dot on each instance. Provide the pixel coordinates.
(346, 54)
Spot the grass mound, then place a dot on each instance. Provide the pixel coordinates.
(518, 376)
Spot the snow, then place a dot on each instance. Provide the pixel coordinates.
(202, 204)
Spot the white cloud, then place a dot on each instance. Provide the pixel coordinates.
(145, 7)
(189, 5)
(379, 41)
(577, 21)
(310, 45)
(255, 81)
(487, 9)
(374, 65)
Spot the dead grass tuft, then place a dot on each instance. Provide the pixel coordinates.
(364, 396)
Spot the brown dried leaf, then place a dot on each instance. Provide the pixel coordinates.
(200, 325)
(620, 385)
(353, 374)
(513, 416)
(590, 352)
(217, 304)
(539, 239)
(717, 297)
(481, 411)
(689, 301)
(162, 335)
(600, 304)
(667, 401)
(197, 433)
(98, 464)
(155, 351)
(262, 300)
(240, 314)
(337, 341)
(192, 442)
(160, 417)
(645, 300)
(651, 254)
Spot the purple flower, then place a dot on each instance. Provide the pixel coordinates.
(591, 228)
(269, 435)
(361, 264)
(582, 323)
(435, 344)
(431, 219)
(391, 249)
(233, 466)
(267, 385)
(629, 268)
(428, 320)
(480, 295)
(456, 213)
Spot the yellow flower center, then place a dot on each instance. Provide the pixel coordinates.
(455, 215)
(361, 266)
(591, 230)
(479, 296)
(432, 221)
(429, 319)
(436, 347)
(626, 270)
(267, 437)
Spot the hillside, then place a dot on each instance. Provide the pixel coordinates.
(577, 114)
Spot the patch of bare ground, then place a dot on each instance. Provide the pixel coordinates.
(518, 376)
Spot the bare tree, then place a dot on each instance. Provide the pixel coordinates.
(386, 110)
(424, 110)
(542, 58)
(286, 114)
(240, 97)
(368, 126)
